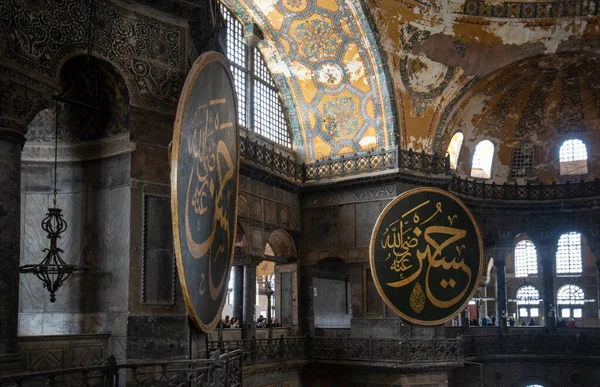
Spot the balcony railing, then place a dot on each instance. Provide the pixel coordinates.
(344, 348)
(222, 371)
(351, 165)
(515, 191)
(268, 158)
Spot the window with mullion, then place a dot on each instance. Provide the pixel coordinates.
(269, 119)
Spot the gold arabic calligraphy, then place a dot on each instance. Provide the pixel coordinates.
(213, 169)
(401, 240)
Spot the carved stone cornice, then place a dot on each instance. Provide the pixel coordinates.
(44, 152)
(21, 99)
(148, 52)
(499, 255)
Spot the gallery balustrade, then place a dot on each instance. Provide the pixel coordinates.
(220, 371)
(348, 165)
(507, 191)
(344, 348)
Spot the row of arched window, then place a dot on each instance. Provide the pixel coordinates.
(569, 299)
(569, 259)
(525, 157)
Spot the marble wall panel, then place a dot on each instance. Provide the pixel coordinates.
(347, 225)
(156, 337)
(366, 216)
(308, 230)
(326, 228)
(108, 216)
(32, 295)
(158, 279)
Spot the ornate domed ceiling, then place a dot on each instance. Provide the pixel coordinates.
(543, 100)
(325, 60)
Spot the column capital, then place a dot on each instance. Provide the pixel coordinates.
(7, 134)
(499, 254)
(252, 35)
(24, 98)
(247, 260)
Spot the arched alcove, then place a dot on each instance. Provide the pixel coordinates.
(93, 190)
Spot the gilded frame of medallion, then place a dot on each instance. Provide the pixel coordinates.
(196, 69)
(372, 258)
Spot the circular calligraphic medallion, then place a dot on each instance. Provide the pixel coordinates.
(204, 187)
(426, 256)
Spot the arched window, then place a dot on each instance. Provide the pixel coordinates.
(568, 254)
(528, 300)
(569, 299)
(482, 160)
(524, 158)
(573, 157)
(267, 110)
(525, 259)
(454, 149)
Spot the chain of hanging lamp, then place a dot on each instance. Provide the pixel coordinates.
(53, 271)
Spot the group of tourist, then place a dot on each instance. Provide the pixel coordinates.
(486, 321)
(261, 322)
(233, 323)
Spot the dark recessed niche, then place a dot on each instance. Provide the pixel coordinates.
(499, 376)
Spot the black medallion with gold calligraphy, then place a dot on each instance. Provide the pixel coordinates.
(426, 256)
(204, 187)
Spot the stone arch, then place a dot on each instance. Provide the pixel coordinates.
(281, 245)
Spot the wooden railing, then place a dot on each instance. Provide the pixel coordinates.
(220, 371)
(483, 190)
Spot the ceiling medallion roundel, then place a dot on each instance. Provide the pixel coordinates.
(330, 75)
(426, 256)
(204, 187)
(295, 6)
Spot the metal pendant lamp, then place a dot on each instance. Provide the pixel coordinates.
(53, 271)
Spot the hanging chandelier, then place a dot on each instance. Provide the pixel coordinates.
(53, 271)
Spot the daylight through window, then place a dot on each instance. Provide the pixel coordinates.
(568, 254)
(525, 259)
(267, 113)
(482, 160)
(573, 157)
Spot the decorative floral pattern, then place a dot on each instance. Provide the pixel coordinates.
(340, 117)
(317, 39)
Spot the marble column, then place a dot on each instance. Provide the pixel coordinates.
(248, 321)
(238, 291)
(548, 259)
(20, 100)
(252, 36)
(596, 251)
(11, 144)
(499, 256)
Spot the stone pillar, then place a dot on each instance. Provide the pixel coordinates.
(499, 256)
(548, 259)
(20, 100)
(11, 144)
(252, 35)
(596, 251)
(248, 322)
(238, 291)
